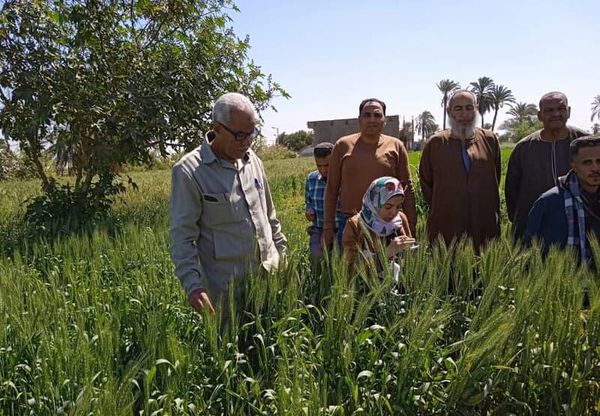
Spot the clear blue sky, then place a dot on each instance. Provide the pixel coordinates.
(329, 55)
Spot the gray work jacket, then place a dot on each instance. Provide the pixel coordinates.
(223, 222)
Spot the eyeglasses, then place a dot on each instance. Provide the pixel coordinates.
(241, 135)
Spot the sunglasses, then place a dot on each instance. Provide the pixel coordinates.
(241, 135)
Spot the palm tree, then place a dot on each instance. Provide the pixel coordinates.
(446, 86)
(482, 89)
(426, 124)
(499, 96)
(596, 108)
(523, 112)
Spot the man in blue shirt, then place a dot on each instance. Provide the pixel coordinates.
(314, 197)
(566, 214)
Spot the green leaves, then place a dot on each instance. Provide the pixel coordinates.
(102, 84)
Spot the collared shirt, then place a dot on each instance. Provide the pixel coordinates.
(314, 196)
(223, 222)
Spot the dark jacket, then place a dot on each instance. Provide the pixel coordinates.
(533, 168)
(547, 220)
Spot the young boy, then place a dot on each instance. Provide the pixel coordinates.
(314, 196)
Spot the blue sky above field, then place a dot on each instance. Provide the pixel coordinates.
(329, 55)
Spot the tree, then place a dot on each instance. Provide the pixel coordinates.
(522, 123)
(596, 108)
(295, 141)
(482, 90)
(499, 96)
(523, 112)
(426, 124)
(105, 83)
(446, 86)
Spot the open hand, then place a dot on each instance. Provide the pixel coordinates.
(200, 301)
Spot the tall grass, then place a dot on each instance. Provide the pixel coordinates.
(97, 324)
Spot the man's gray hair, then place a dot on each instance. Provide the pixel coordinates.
(552, 95)
(455, 93)
(222, 109)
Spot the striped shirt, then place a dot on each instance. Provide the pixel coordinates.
(314, 196)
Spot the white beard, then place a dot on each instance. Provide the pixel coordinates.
(463, 132)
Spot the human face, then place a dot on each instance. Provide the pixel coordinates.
(225, 141)
(463, 109)
(323, 165)
(554, 112)
(586, 165)
(391, 208)
(371, 119)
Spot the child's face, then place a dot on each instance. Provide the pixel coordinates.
(323, 165)
(391, 208)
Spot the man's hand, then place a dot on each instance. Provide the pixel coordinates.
(310, 214)
(200, 301)
(327, 238)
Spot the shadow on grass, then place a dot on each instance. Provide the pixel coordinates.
(17, 233)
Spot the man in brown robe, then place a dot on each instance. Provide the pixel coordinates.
(459, 173)
(539, 159)
(358, 159)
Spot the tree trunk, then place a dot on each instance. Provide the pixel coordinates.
(444, 110)
(8, 149)
(87, 182)
(494, 120)
(34, 156)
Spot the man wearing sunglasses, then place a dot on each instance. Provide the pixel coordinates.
(223, 222)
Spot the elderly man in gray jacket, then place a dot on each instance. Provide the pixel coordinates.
(223, 222)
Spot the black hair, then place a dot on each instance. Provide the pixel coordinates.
(369, 100)
(323, 149)
(585, 141)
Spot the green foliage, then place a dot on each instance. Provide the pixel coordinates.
(97, 324)
(12, 165)
(66, 209)
(515, 131)
(446, 87)
(499, 95)
(595, 108)
(295, 141)
(276, 152)
(482, 88)
(426, 124)
(106, 83)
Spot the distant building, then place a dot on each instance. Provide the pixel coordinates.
(331, 130)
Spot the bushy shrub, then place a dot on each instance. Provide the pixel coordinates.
(276, 152)
(67, 208)
(14, 166)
